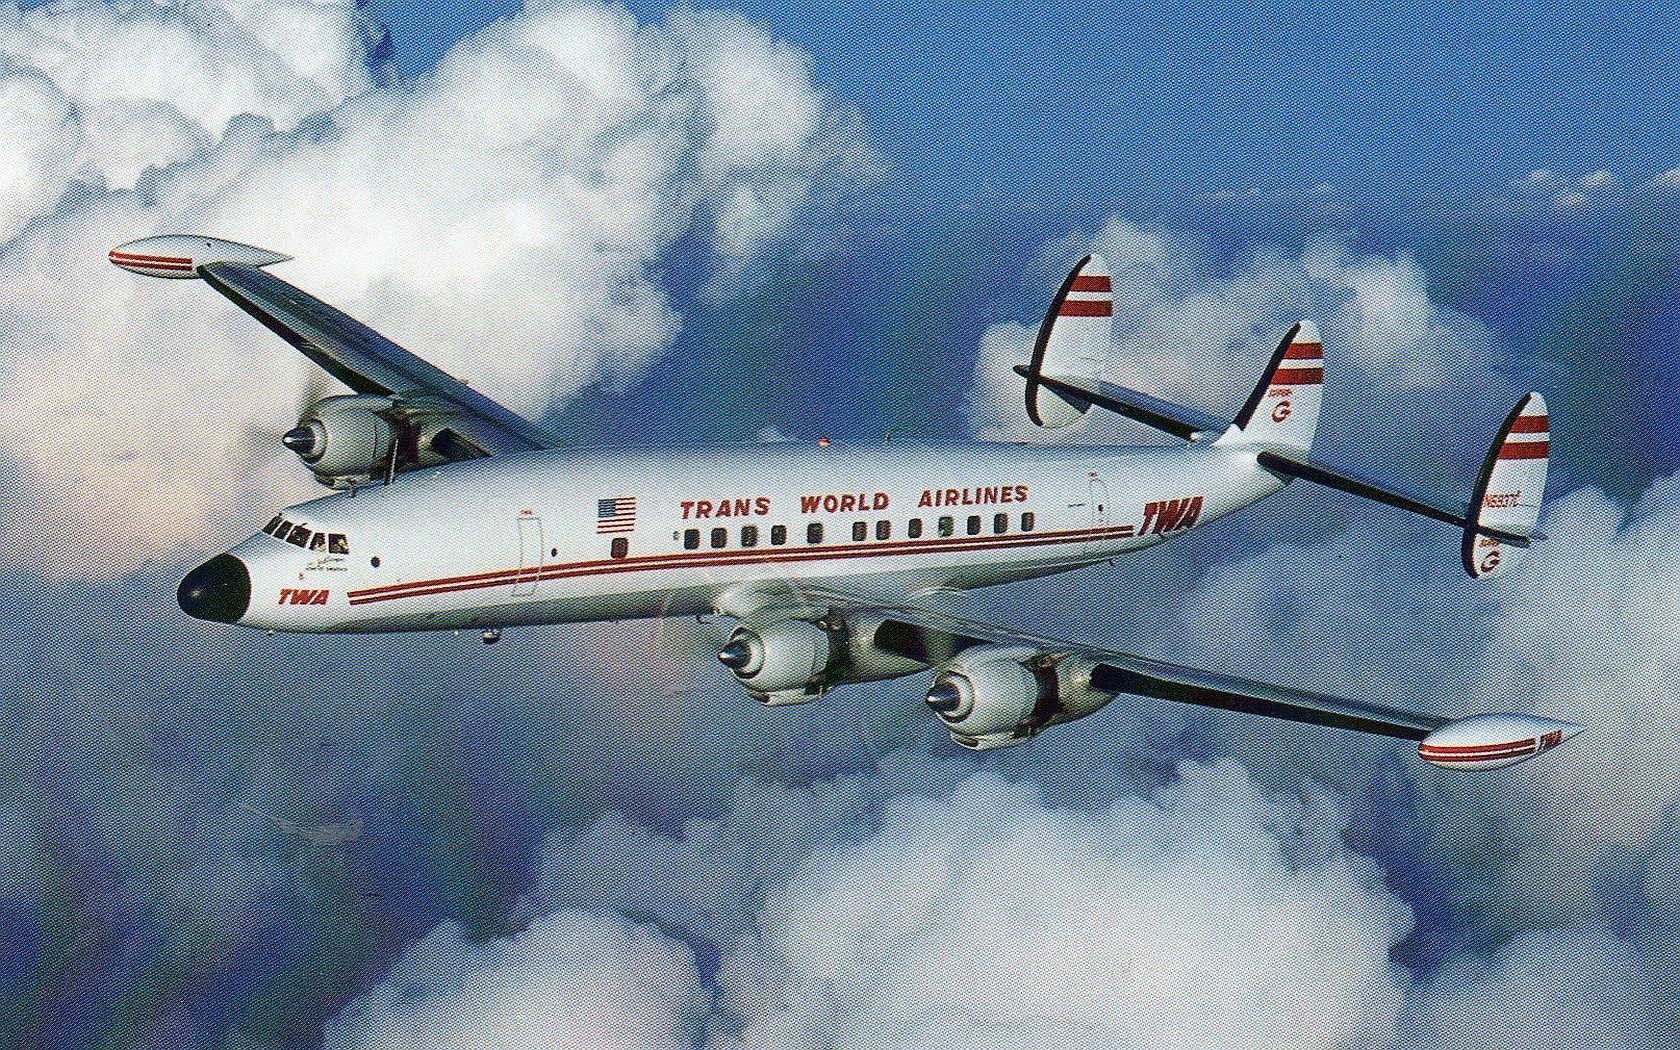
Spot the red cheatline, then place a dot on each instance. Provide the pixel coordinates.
(1297, 376)
(117, 256)
(1484, 756)
(1092, 284)
(1304, 352)
(1086, 308)
(1525, 450)
(1467, 749)
(1530, 425)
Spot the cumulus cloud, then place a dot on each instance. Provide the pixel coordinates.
(928, 906)
(114, 89)
(505, 216)
(570, 980)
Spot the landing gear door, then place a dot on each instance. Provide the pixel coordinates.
(531, 554)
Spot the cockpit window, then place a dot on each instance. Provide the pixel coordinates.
(275, 524)
(338, 543)
(319, 543)
(283, 531)
(299, 536)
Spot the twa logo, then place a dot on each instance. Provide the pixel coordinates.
(300, 596)
(1170, 515)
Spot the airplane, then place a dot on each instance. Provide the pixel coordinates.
(450, 512)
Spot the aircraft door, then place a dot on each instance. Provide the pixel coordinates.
(1096, 502)
(531, 552)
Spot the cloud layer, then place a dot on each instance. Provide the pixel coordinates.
(505, 216)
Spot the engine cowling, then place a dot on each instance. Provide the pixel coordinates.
(344, 440)
(996, 695)
(793, 661)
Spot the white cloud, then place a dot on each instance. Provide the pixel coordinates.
(132, 85)
(1668, 180)
(1597, 180)
(920, 906)
(570, 980)
(504, 217)
(1210, 916)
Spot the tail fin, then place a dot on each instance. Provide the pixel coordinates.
(1282, 412)
(1073, 342)
(1508, 493)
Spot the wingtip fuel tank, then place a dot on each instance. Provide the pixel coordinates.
(1494, 740)
(179, 255)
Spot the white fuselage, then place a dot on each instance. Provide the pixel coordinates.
(530, 538)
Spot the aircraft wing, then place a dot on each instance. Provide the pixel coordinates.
(997, 686)
(350, 351)
(934, 637)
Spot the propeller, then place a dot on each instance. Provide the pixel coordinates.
(264, 443)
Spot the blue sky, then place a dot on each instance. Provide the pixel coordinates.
(1100, 105)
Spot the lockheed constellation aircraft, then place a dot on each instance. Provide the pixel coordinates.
(453, 512)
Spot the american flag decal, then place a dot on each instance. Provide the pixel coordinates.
(617, 514)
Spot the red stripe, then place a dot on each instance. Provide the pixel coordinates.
(1086, 308)
(1092, 284)
(1297, 376)
(132, 257)
(1525, 450)
(129, 265)
(1478, 758)
(1530, 425)
(1304, 352)
(1463, 749)
(685, 560)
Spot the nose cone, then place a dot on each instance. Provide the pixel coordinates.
(218, 590)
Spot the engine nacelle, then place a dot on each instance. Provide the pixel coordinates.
(997, 695)
(794, 661)
(344, 440)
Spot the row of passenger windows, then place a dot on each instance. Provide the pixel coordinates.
(303, 536)
(750, 535)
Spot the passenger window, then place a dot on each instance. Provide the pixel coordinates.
(283, 531)
(720, 537)
(947, 526)
(915, 529)
(1000, 523)
(1028, 521)
(620, 546)
(778, 535)
(319, 543)
(813, 532)
(338, 544)
(271, 526)
(299, 536)
(860, 530)
(883, 529)
(974, 524)
(691, 539)
(749, 535)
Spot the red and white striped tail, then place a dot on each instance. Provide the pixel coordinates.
(1510, 490)
(1073, 342)
(1282, 412)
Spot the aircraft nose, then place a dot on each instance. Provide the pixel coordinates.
(218, 590)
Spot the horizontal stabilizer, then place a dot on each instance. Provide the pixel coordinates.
(179, 255)
(1382, 490)
(1177, 420)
